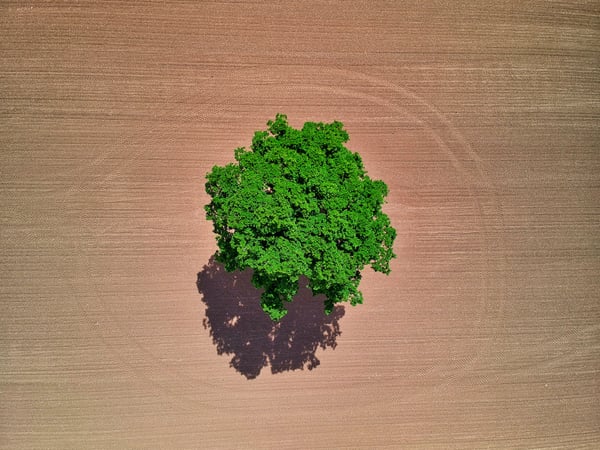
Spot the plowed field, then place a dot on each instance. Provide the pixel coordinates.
(118, 330)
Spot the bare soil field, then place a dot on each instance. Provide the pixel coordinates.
(118, 329)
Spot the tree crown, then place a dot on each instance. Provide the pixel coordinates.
(298, 202)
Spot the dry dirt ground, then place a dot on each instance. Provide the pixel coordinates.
(483, 119)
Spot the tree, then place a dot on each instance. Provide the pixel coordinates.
(298, 202)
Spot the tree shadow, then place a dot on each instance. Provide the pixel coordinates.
(239, 327)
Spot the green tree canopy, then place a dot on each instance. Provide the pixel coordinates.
(300, 203)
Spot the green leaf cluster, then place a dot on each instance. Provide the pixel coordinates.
(298, 202)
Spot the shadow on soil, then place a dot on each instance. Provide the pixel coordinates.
(239, 327)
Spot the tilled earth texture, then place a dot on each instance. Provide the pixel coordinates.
(118, 329)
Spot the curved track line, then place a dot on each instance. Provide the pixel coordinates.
(445, 136)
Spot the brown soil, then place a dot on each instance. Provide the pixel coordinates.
(482, 117)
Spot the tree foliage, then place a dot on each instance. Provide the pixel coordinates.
(298, 202)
